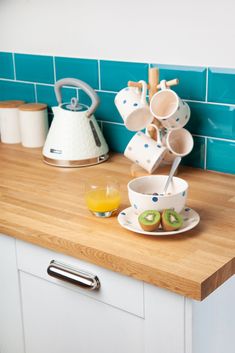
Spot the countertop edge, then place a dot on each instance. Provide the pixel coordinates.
(117, 264)
(213, 282)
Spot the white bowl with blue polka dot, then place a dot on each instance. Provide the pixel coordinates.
(146, 193)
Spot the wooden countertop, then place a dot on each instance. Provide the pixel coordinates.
(44, 205)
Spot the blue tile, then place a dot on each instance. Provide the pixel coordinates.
(6, 65)
(212, 120)
(197, 157)
(46, 94)
(117, 136)
(116, 74)
(221, 83)
(17, 90)
(82, 69)
(107, 110)
(34, 68)
(221, 156)
(192, 80)
(84, 98)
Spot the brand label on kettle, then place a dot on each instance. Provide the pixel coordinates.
(53, 150)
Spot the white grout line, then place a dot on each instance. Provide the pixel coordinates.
(52, 85)
(110, 122)
(212, 103)
(99, 76)
(195, 135)
(104, 91)
(112, 92)
(35, 93)
(115, 92)
(214, 138)
(205, 153)
(28, 82)
(14, 65)
(40, 83)
(207, 73)
(54, 70)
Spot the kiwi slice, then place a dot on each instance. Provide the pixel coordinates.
(171, 220)
(149, 220)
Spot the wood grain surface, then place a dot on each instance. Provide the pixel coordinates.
(44, 205)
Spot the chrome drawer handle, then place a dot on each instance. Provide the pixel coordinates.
(72, 275)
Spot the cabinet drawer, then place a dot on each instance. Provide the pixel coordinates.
(115, 289)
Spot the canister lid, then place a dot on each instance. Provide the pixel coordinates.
(11, 104)
(32, 107)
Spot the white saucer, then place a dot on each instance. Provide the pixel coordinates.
(129, 220)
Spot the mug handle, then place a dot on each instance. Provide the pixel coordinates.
(144, 92)
(159, 140)
(163, 85)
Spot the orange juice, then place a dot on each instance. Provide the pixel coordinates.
(103, 200)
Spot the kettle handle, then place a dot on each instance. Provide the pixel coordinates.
(84, 86)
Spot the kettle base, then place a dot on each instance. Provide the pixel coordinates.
(75, 163)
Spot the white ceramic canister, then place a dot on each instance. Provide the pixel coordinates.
(9, 121)
(33, 124)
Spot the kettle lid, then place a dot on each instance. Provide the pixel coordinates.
(74, 106)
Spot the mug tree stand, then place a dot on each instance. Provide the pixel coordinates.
(153, 86)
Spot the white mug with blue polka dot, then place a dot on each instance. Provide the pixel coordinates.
(179, 143)
(145, 151)
(169, 109)
(133, 107)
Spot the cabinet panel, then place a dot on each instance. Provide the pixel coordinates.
(164, 321)
(11, 331)
(120, 291)
(214, 321)
(59, 320)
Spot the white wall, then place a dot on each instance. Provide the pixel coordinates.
(190, 32)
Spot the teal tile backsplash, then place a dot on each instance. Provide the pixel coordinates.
(6, 65)
(209, 92)
(221, 156)
(117, 136)
(107, 111)
(34, 68)
(83, 69)
(114, 75)
(212, 120)
(197, 157)
(46, 94)
(221, 85)
(17, 90)
(192, 80)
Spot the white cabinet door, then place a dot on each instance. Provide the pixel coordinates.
(123, 316)
(11, 332)
(60, 320)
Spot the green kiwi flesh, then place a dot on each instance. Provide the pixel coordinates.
(149, 220)
(171, 220)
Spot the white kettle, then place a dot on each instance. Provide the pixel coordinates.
(74, 138)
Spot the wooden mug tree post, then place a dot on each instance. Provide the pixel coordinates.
(153, 83)
(153, 86)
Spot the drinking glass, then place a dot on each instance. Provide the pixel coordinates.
(102, 196)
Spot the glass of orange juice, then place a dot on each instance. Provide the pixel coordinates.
(103, 197)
